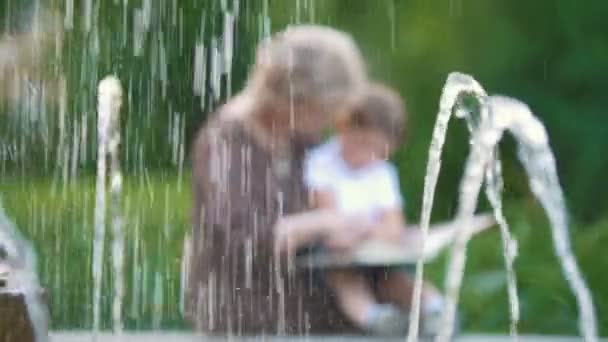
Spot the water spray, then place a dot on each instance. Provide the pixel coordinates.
(497, 114)
(456, 85)
(108, 128)
(19, 275)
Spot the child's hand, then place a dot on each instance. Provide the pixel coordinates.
(349, 235)
(343, 243)
(394, 234)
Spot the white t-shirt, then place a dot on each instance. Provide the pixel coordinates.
(367, 191)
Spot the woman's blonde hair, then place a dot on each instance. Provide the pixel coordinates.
(308, 64)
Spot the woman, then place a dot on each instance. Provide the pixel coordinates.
(247, 173)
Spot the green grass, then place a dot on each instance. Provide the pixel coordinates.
(59, 219)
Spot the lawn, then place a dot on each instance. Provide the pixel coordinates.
(59, 219)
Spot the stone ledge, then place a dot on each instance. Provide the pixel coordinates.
(79, 336)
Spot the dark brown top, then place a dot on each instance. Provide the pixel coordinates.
(235, 284)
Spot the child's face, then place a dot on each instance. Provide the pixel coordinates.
(363, 146)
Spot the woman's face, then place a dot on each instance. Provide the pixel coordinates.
(309, 122)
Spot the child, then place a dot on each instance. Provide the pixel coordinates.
(351, 174)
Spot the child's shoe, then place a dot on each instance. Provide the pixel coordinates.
(388, 320)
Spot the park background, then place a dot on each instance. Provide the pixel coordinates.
(551, 54)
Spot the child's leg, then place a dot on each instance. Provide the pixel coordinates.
(356, 299)
(355, 296)
(397, 287)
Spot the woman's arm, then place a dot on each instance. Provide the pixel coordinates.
(324, 224)
(293, 232)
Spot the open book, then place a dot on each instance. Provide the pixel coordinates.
(407, 251)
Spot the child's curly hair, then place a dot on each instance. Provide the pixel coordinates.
(379, 108)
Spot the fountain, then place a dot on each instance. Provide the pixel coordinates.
(497, 114)
(23, 305)
(110, 101)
